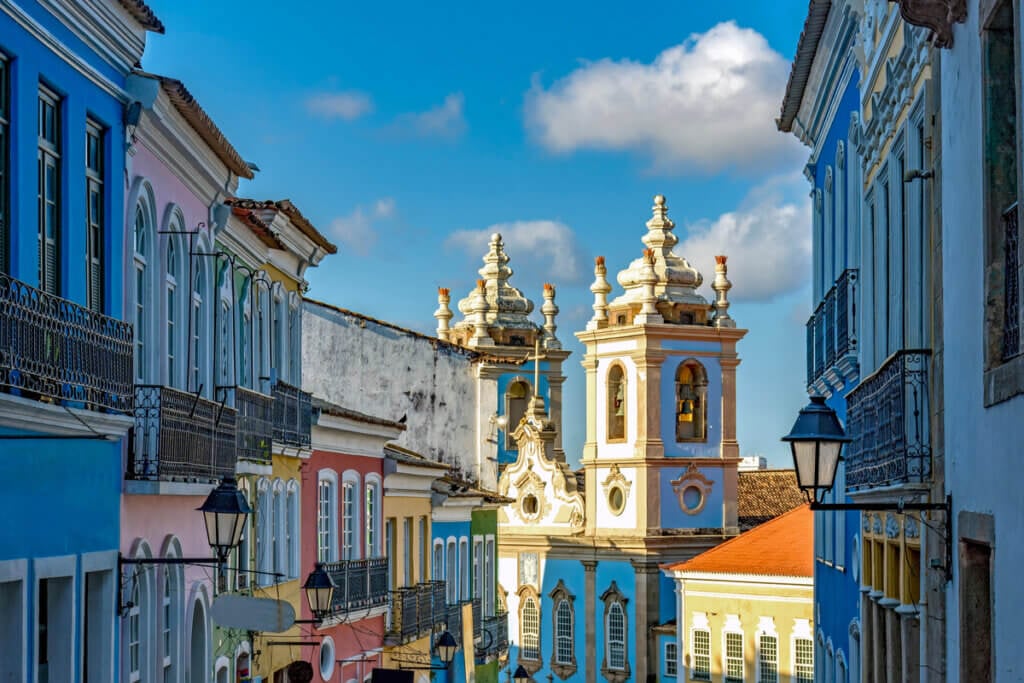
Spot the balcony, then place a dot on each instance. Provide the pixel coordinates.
(455, 620)
(832, 336)
(888, 419)
(416, 611)
(180, 437)
(478, 622)
(293, 415)
(54, 350)
(358, 584)
(254, 435)
(495, 639)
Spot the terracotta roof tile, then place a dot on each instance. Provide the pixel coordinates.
(259, 228)
(143, 14)
(814, 26)
(765, 494)
(327, 408)
(782, 547)
(286, 207)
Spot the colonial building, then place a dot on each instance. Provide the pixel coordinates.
(66, 369)
(744, 609)
(822, 108)
(580, 555)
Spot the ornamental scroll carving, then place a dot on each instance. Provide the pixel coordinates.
(937, 15)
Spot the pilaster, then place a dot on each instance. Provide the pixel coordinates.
(648, 430)
(590, 588)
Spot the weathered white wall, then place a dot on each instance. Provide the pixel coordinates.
(382, 370)
(983, 445)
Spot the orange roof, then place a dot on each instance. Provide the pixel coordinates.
(783, 546)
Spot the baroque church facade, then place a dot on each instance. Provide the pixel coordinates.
(581, 551)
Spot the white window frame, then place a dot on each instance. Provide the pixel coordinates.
(478, 568)
(766, 629)
(293, 542)
(802, 632)
(225, 329)
(451, 564)
(264, 522)
(702, 673)
(372, 514)
(279, 554)
(464, 568)
(569, 658)
(141, 292)
(102, 662)
(330, 478)
(490, 579)
(610, 642)
(733, 628)
(437, 571)
(671, 659)
(351, 542)
(245, 350)
(534, 652)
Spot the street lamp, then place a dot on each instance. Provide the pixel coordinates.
(224, 512)
(521, 675)
(446, 647)
(817, 441)
(319, 589)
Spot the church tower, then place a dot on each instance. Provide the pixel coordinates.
(519, 359)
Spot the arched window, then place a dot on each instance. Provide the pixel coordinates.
(438, 563)
(224, 343)
(463, 569)
(166, 620)
(277, 331)
(264, 524)
(197, 332)
(135, 634)
(278, 531)
(350, 541)
(327, 516)
(242, 576)
(517, 396)
(372, 515)
(529, 628)
(691, 410)
(452, 573)
(244, 343)
(616, 403)
(262, 352)
(141, 261)
(171, 286)
(563, 633)
(616, 637)
(292, 529)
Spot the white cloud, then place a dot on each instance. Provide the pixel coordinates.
(707, 104)
(445, 121)
(347, 105)
(358, 230)
(767, 239)
(538, 251)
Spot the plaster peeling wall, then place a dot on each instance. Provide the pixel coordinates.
(386, 372)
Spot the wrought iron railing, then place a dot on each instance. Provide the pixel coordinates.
(293, 415)
(888, 419)
(54, 349)
(255, 422)
(478, 622)
(358, 584)
(1011, 283)
(832, 330)
(417, 610)
(180, 437)
(455, 620)
(496, 638)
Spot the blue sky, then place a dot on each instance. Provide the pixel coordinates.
(407, 133)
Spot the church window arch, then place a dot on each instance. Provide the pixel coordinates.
(691, 401)
(563, 651)
(517, 397)
(529, 629)
(617, 405)
(615, 667)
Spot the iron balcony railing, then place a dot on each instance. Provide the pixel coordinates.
(180, 437)
(1011, 283)
(416, 611)
(888, 419)
(51, 348)
(455, 620)
(496, 638)
(478, 622)
(832, 330)
(293, 415)
(358, 584)
(255, 422)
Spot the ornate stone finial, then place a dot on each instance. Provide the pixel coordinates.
(443, 313)
(648, 299)
(721, 285)
(601, 289)
(480, 336)
(550, 310)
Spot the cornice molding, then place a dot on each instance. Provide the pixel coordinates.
(936, 15)
(45, 418)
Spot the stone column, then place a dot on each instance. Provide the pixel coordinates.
(590, 600)
(910, 636)
(589, 364)
(729, 362)
(555, 382)
(648, 443)
(893, 643)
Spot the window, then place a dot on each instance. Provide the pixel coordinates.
(701, 644)
(372, 521)
(94, 209)
(530, 630)
(563, 633)
(280, 525)
(691, 387)
(166, 620)
(392, 549)
(244, 349)
(463, 569)
(264, 524)
(452, 573)
(803, 660)
(421, 543)
(197, 323)
(407, 556)
(616, 403)
(616, 637)
(327, 658)
(5, 176)
(975, 564)
(516, 398)
(489, 587)
(348, 520)
(478, 567)
(97, 623)
(134, 632)
(671, 659)
(224, 343)
(141, 230)
(437, 572)
(242, 578)
(48, 157)
(733, 657)
(768, 659)
(172, 304)
(276, 340)
(292, 530)
(326, 518)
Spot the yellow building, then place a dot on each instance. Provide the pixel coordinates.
(745, 609)
(418, 604)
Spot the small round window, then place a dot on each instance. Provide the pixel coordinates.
(530, 505)
(327, 658)
(693, 499)
(616, 499)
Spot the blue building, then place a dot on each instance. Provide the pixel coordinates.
(65, 352)
(821, 107)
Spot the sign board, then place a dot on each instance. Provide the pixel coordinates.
(252, 614)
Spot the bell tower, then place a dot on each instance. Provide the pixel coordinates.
(661, 454)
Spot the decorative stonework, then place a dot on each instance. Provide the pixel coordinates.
(937, 15)
(563, 670)
(611, 597)
(911, 528)
(892, 526)
(841, 155)
(692, 480)
(876, 525)
(532, 503)
(616, 482)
